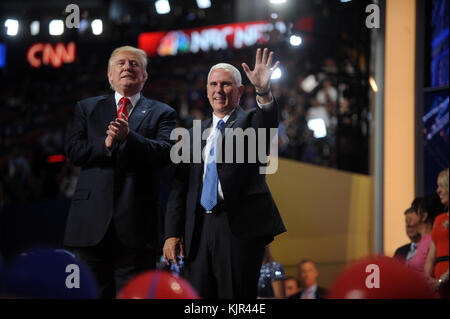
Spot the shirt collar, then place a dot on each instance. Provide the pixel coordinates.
(216, 119)
(312, 289)
(134, 99)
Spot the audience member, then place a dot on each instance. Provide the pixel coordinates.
(436, 266)
(271, 279)
(427, 211)
(308, 273)
(406, 252)
(292, 286)
(328, 94)
(318, 111)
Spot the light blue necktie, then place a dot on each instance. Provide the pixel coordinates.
(211, 181)
(411, 253)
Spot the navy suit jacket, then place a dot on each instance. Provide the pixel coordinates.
(402, 252)
(123, 187)
(251, 210)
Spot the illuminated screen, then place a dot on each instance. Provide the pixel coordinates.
(435, 139)
(439, 43)
(2, 55)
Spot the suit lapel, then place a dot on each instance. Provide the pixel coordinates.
(232, 121)
(205, 124)
(107, 111)
(139, 113)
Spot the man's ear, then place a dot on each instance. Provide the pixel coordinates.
(109, 74)
(241, 90)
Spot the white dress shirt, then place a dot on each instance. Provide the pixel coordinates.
(210, 139)
(412, 252)
(134, 99)
(309, 293)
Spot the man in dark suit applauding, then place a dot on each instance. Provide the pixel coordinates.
(120, 141)
(221, 215)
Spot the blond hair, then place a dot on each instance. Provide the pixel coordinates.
(443, 179)
(127, 48)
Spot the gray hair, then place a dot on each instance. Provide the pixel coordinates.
(230, 68)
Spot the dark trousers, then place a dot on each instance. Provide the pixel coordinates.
(220, 265)
(113, 264)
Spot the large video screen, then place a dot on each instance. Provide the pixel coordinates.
(435, 139)
(439, 43)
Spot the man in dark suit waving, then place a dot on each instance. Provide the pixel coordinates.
(121, 142)
(220, 215)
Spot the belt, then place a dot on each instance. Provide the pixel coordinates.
(219, 208)
(441, 259)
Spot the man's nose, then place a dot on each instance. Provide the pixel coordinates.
(219, 88)
(126, 65)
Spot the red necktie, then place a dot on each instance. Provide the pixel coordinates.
(123, 106)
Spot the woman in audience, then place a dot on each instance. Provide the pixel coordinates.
(427, 210)
(436, 266)
(271, 280)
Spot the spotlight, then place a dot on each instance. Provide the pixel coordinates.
(295, 40)
(162, 6)
(204, 4)
(276, 74)
(277, 1)
(318, 126)
(97, 27)
(373, 84)
(56, 27)
(34, 27)
(13, 27)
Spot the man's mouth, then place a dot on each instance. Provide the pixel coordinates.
(127, 76)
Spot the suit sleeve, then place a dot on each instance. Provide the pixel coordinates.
(81, 149)
(142, 149)
(174, 218)
(267, 116)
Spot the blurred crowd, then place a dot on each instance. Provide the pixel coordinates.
(329, 88)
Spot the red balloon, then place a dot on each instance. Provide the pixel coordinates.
(380, 277)
(157, 285)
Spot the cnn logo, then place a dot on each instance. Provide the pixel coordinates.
(45, 53)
